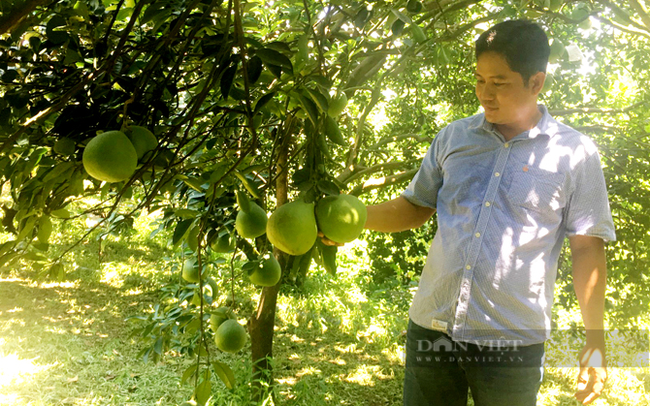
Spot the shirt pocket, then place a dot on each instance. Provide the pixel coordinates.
(537, 190)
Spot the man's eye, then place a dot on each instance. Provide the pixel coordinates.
(498, 84)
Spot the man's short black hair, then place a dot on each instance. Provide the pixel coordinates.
(522, 43)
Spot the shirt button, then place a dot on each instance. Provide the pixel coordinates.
(468, 267)
(506, 145)
(497, 174)
(477, 235)
(487, 204)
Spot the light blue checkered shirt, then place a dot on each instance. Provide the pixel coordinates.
(503, 211)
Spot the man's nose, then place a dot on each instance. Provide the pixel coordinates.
(486, 92)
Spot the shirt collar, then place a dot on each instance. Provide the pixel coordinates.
(546, 125)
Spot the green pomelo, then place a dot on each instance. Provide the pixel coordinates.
(223, 243)
(292, 227)
(64, 146)
(251, 224)
(191, 271)
(341, 218)
(337, 105)
(218, 316)
(142, 139)
(230, 336)
(268, 274)
(110, 157)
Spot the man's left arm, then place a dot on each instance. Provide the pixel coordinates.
(589, 281)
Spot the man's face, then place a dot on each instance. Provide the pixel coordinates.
(501, 91)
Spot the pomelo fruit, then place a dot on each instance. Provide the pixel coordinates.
(223, 243)
(110, 157)
(268, 273)
(292, 227)
(64, 146)
(190, 271)
(251, 223)
(142, 139)
(337, 105)
(218, 316)
(341, 218)
(230, 336)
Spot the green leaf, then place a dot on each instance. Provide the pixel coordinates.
(328, 187)
(224, 373)
(328, 254)
(181, 229)
(319, 98)
(186, 213)
(401, 16)
(27, 228)
(263, 100)
(273, 57)
(254, 69)
(226, 80)
(310, 107)
(243, 201)
(157, 347)
(397, 27)
(61, 213)
(188, 373)
(204, 389)
(413, 6)
(55, 35)
(305, 262)
(333, 132)
(418, 33)
(59, 171)
(44, 229)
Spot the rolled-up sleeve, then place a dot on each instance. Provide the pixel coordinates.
(423, 188)
(588, 211)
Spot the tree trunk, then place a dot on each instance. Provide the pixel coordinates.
(260, 325)
(14, 17)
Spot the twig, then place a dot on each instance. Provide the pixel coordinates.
(599, 110)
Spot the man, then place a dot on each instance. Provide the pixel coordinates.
(508, 185)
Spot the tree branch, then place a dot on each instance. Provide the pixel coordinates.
(597, 110)
(377, 183)
(10, 21)
(378, 168)
(395, 138)
(642, 13)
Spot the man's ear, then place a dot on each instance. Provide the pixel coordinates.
(536, 82)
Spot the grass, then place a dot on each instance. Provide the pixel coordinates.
(337, 340)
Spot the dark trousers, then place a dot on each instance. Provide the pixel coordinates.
(440, 372)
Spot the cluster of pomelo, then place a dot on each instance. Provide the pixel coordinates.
(113, 156)
(293, 228)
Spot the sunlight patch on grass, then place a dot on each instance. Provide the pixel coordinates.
(310, 370)
(371, 333)
(364, 375)
(14, 370)
(68, 285)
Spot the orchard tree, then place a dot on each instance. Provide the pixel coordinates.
(213, 111)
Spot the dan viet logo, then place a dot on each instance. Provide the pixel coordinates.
(478, 351)
(443, 344)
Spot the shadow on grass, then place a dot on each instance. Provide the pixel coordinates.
(64, 343)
